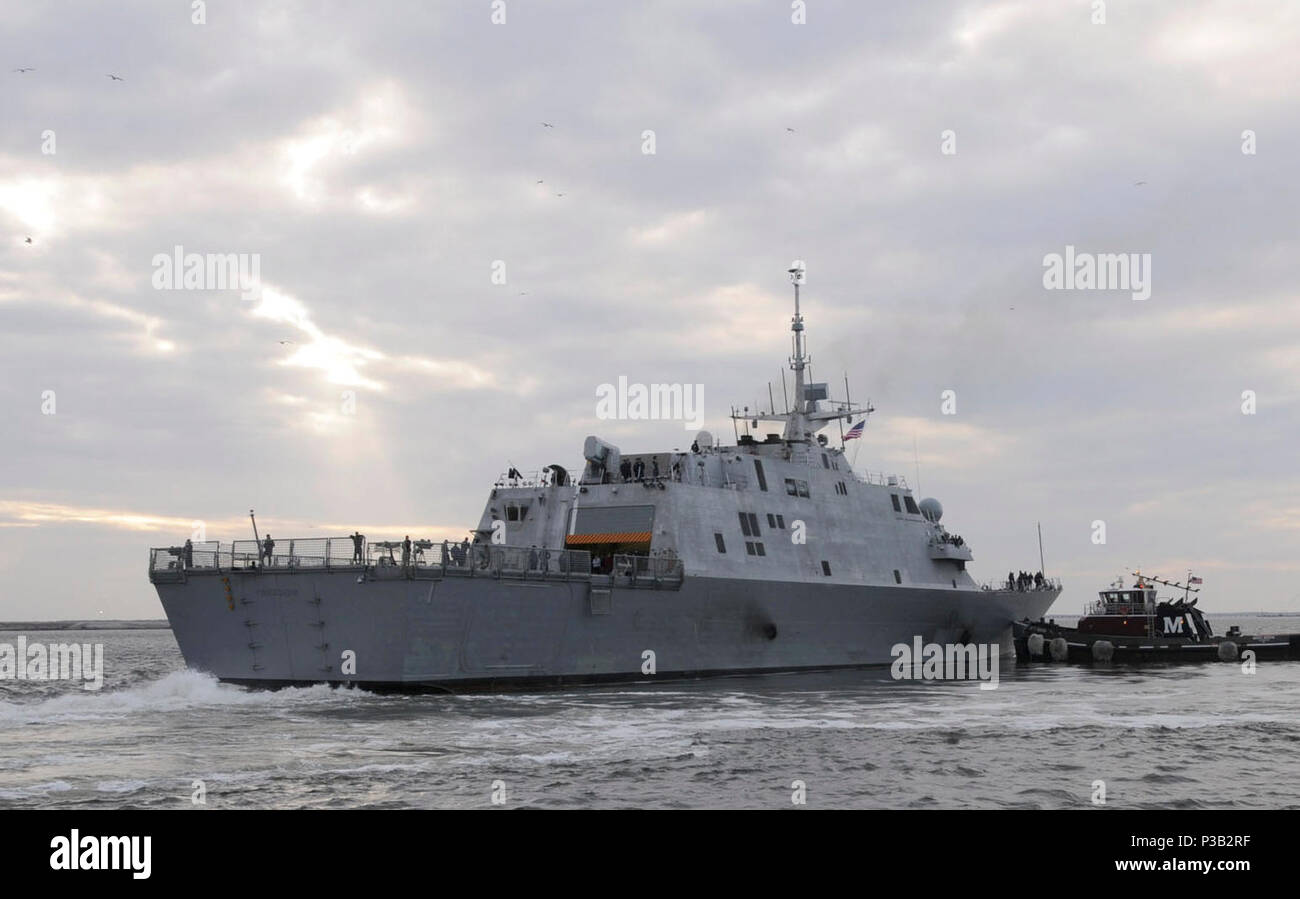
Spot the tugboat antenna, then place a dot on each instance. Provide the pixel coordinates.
(1042, 566)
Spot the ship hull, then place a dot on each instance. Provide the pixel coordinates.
(273, 629)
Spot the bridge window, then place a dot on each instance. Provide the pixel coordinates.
(898, 577)
(762, 478)
(826, 463)
(744, 525)
(722, 546)
(826, 568)
(759, 546)
(780, 522)
(911, 505)
(796, 488)
(749, 524)
(749, 548)
(894, 497)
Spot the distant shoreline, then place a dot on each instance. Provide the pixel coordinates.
(80, 624)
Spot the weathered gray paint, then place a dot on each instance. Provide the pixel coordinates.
(466, 629)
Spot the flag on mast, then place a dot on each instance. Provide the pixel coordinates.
(1195, 580)
(855, 431)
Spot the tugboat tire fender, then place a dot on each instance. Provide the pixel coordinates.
(1035, 646)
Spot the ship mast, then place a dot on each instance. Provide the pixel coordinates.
(795, 426)
(805, 418)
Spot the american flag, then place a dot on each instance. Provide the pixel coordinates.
(855, 431)
(1195, 580)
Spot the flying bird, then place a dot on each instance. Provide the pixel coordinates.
(24, 70)
(547, 125)
(559, 195)
(791, 130)
(285, 342)
(29, 240)
(1138, 183)
(116, 78)
(539, 180)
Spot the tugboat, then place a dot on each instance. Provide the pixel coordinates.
(1134, 625)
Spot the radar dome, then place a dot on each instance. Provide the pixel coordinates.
(931, 509)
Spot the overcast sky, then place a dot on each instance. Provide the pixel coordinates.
(380, 158)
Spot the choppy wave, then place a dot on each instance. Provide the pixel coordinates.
(1156, 737)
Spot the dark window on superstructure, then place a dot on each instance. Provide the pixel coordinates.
(801, 488)
(841, 489)
(753, 525)
(512, 513)
(771, 520)
(749, 548)
(759, 546)
(762, 478)
(911, 505)
(826, 462)
(898, 578)
(894, 497)
(780, 522)
(790, 487)
(744, 525)
(722, 547)
(826, 568)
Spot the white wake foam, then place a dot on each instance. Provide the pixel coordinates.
(178, 691)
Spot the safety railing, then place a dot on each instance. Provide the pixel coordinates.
(646, 571)
(1116, 607)
(880, 479)
(384, 558)
(1048, 583)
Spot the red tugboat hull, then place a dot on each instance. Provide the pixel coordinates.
(1081, 647)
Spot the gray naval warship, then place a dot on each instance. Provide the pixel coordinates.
(769, 555)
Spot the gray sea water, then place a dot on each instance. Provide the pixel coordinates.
(1193, 736)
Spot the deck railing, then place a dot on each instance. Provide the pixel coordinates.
(422, 560)
(381, 559)
(1049, 583)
